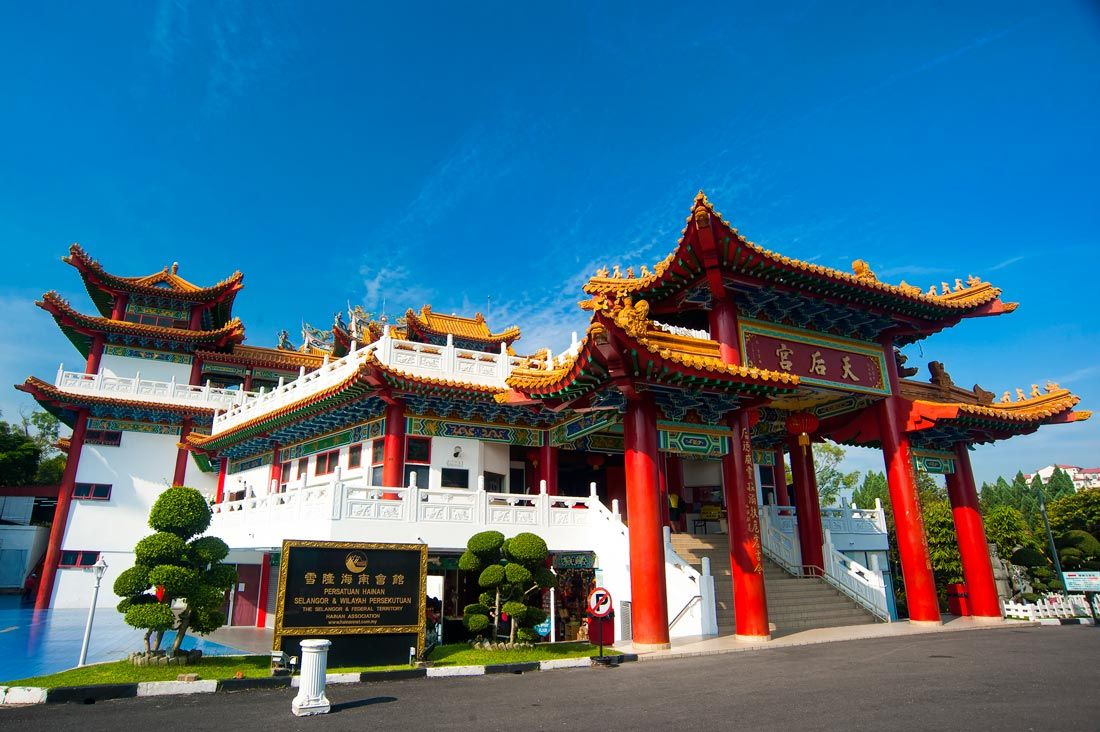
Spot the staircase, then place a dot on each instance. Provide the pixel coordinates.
(794, 603)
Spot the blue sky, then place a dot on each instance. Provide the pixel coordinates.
(363, 152)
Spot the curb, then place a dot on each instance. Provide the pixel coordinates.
(26, 695)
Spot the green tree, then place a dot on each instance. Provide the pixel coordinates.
(1006, 528)
(943, 546)
(831, 480)
(19, 456)
(874, 486)
(1079, 511)
(50, 471)
(1060, 485)
(1078, 550)
(510, 570)
(44, 429)
(182, 566)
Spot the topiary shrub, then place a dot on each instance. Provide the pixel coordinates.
(510, 570)
(187, 573)
(1028, 556)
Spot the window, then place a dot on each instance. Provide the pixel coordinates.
(103, 437)
(78, 559)
(377, 455)
(418, 454)
(161, 321)
(355, 456)
(327, 462)
(454, 478)
(302, 465)
(92, 491)
(418, 450)
(284, 474)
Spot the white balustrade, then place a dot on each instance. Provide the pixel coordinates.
(863, 585)
(477, 368)
(148, 390)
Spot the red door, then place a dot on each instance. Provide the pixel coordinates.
(246, 597)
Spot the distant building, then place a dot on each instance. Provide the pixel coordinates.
(1082, 477)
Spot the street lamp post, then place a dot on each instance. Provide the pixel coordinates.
(98, 569)
(1053, 548)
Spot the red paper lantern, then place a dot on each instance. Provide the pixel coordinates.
(596, 461)
(802, 424)
(533, 457)
(754, 417)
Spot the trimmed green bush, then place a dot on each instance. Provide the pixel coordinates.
(517, 574)
(476, 623)
(485, 543)
(1028, 556)
(185, 574)
(527, 635)
(514, 609)
(492, 576)
(475, 609)
(160, 548)
(180, 511)
(528, 548)
(469, 562)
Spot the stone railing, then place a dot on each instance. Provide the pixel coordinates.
(837, 520)
(445, 517)
(864, 585)
(416, 359)
(147, 390)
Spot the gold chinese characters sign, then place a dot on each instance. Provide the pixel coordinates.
(816, 359)
(368, 599)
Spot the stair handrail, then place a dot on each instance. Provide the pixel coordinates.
(854, 580)
(779, 547)
(690, 604)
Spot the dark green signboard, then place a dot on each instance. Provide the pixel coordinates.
(368, 599)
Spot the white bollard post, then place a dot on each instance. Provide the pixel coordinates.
(311, 697)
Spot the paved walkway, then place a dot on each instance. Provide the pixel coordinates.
(710, 645)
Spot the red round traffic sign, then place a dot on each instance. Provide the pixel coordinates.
(599, 602)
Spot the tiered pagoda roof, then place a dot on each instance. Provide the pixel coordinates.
(432, 327)
(712, 257)
(163, 285)
(64, 405)
(80, 328)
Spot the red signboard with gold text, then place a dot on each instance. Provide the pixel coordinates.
(815, 358)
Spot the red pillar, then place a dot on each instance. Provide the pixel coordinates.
(393, 446)
(750, 605)
(196, 371)
(276, 470)
(981, 589)
(95, 354)
(662, 487)
(61, 513)
(647, 544)
(223, 470)
(196, 318)
(723, 328)
(261, 601)
(810, 534)
(180, 473)
(782, 498)
(548, 468)
(118, 312)
(916, 565)
(247, 385)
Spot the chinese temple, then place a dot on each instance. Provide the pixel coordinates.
(697, 382)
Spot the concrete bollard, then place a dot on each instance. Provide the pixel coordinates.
(311, 697)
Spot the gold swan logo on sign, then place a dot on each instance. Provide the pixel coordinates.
(356, 562)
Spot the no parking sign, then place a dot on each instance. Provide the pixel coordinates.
(599, 602)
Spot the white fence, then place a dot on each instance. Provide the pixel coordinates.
(147, 390)
(477, 368)
(864, 585)
(1052, 607)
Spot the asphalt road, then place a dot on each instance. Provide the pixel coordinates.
(1010, 679)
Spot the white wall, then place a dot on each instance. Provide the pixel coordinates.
(139, 470)
(495, 459)
(443, 449)
(127, 367)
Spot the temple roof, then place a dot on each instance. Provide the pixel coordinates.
(712, 253)
(272, 358)
(63, 405)
(654, 355)
(475, 329)
(165, 284)
(79, 327)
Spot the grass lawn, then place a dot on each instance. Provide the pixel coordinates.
(226, 667)
(460, 654)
